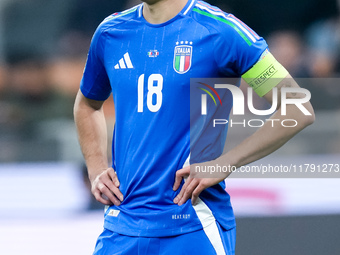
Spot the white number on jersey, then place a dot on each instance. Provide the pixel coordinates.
(152, 90)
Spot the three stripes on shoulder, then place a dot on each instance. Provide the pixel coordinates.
(124, 62)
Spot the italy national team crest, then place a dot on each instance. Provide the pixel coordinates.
(183, 57)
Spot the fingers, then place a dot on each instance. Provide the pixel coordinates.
(183, 193)
(197, 191)
(113, 189)
(187, 191)
(107, 195)
(180, 194)
(114, 183)
(192, 188)
(105, 188)
(96, 194)
(179, 177)
(113, 175)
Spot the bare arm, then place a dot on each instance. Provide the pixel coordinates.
(92, 134)
(268, 139)
(264, 141)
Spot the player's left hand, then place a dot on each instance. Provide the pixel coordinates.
(193, 186)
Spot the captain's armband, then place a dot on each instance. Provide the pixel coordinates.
(265, 74)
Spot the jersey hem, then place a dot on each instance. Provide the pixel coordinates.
(161, 232)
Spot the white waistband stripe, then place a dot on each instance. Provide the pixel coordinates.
(209, 226)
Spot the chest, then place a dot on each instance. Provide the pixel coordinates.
(176, 52)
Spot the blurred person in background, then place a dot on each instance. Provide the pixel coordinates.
(9, 119)
(288, 48)
(66, 64)
(31, 96)
(5, 111)
(30, 30)
(31, 91)
(323, 45)
(323, 41)
(45, 45)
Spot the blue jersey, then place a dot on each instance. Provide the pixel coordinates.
(147, 68)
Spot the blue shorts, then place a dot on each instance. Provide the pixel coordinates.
(212, 240)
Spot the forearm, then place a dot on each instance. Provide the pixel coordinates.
(268, 138)
(92, 135)
(263, 142)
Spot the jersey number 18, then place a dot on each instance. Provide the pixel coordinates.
(155, 87)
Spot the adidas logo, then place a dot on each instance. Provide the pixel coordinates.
(124, 62)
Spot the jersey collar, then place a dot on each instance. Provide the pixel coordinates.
(185, 11)
(189, 6)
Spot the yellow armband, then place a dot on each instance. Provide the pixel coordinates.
(265, 74)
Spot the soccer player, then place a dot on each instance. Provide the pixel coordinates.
(145, 57)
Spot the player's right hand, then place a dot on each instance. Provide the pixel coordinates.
(105, 188)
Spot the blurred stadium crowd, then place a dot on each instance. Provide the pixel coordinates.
(44, 43)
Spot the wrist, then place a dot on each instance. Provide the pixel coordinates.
(93, 173)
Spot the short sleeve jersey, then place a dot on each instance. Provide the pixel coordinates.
(147, 68)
